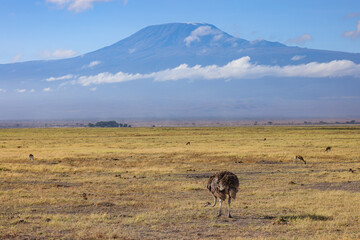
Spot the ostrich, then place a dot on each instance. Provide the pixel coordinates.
(31, 157)
(300, 158)
(328, 149)
(188, 143)
(222, 184)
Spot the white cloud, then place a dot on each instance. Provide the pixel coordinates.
(65, 77)
(240, 68)
(16, 58)
(91, 64)
(200, 32)
(76, 5)
(32, 90)
(2, 90)
(47, 89)
(58, 53)
(299, 40)
(20, 90)
(106, 77)
(353, 34)
(93, 89)
(297, 57)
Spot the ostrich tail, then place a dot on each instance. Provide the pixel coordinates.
(232, 193)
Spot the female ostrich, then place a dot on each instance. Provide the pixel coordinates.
(222, 184)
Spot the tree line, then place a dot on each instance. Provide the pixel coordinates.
(112, 124)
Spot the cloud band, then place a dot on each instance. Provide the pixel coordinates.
(240, 68)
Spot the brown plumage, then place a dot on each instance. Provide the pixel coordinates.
(31, 157)
(222, 184)
(328, 149)
(188, 143)
(300, 158)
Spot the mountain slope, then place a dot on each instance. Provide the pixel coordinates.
(166, 46)
(52, 89)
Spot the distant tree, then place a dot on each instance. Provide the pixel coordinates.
(107, 124)
(270, 123)
(112, 124)
(104, 124)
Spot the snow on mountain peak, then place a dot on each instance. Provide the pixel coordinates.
(201, 31)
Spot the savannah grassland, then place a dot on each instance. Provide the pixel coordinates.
(145, 183)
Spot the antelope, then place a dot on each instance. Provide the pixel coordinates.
(300, 158)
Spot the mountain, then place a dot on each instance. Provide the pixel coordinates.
(60, 88)
(166, 46)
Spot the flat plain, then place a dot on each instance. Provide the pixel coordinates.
(146, 183)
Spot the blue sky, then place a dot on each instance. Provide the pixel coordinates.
(50, 29)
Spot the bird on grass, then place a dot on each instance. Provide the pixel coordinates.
(220, 185)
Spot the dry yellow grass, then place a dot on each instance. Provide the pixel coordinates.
(146, 183)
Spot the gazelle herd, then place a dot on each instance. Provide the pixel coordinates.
(301, 159)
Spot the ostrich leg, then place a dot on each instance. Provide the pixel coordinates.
(220, 208)
(229, 201)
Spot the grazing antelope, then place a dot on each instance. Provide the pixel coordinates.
(300, 158)
(188, 143)
(31, 157)
(222, 184)
(328, 149)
